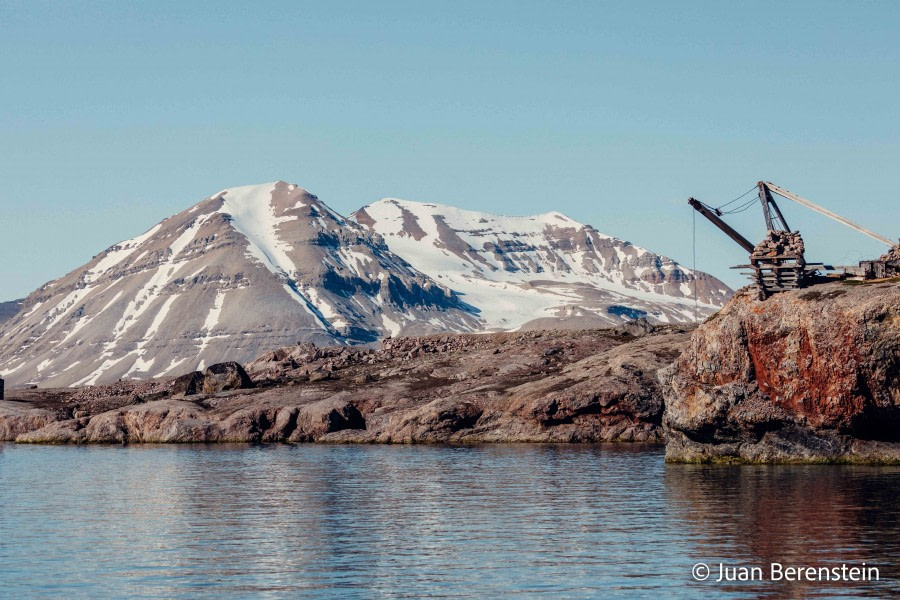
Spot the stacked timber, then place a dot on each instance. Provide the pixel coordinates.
(779, 262)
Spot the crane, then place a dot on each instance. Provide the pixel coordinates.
(824, 211)
(779, 261)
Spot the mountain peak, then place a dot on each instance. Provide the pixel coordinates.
(246, 270)
(261, 191)
(558, 216)
(434, 208)
(262, 266)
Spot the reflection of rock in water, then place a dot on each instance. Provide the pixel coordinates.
(797, 515)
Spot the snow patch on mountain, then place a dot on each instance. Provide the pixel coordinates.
(253, 216)
(518, 269)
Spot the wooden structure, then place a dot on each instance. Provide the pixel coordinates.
(782, 272)
(879, 269)
(778, 263)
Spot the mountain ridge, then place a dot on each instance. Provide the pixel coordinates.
(256, 267)
(539, 266)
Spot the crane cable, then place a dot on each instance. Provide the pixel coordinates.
(694, 252)
(718, 209)
(738, 198)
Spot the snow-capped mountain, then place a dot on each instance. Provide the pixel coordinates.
(246, 270)
(539, 270)
(259, 267)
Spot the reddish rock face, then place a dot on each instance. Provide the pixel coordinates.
(805, 375)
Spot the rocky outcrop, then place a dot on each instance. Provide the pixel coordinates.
(616, 396)
(545, 386)
(811, 375)
(17, 419)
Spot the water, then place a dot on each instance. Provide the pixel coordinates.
(427, 521)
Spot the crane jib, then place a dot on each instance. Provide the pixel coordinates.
(824, 211)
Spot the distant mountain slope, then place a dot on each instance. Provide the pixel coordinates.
(9, 309)
(258, 267)
(247, 269)
(542, 269)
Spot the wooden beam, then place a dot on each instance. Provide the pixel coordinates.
(764, 201)
(824, 211)
(769, 205)
(725, 227)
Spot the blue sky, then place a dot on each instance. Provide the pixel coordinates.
(114, 115)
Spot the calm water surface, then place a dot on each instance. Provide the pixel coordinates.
(427, 521)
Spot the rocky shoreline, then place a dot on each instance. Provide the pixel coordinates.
(806, 376)
(542, 386)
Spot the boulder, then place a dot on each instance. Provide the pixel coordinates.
(188, 385)
(225, 376)
(326, 416)
(637, 327)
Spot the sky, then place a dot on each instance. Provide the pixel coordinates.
(115, 115)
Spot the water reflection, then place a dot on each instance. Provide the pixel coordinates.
(793, 515)
(363, 521)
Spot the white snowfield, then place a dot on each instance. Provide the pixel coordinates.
(253, 216)
(257, 267)
(534, 274)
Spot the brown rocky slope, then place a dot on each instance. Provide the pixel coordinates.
(546, 386)
(810, 375)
